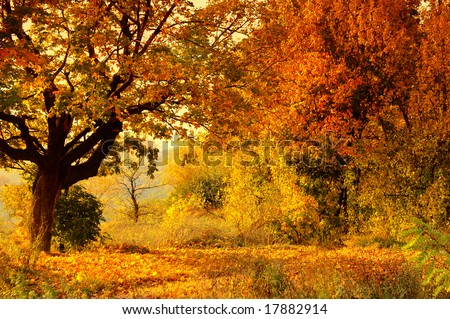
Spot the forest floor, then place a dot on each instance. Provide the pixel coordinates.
(222, 273)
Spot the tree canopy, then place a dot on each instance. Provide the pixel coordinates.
(74, 74)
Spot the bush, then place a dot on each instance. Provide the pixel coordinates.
(206, 183)
(188, 223)
(77, 218)
(267, 200)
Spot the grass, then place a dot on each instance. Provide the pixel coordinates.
(131, 271)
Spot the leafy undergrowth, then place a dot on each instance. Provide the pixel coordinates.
(264, 272)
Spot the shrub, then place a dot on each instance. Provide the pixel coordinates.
(77, 218)
(206, 183)
(268, 199)
(433, 248)
(188, 223)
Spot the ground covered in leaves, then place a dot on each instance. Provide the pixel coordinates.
(263, 272)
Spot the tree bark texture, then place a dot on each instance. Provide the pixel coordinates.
(46, 192)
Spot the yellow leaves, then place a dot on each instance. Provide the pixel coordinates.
(79, 277)
(218, 273)
(17, 199)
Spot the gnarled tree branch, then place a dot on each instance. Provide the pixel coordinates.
(33, 147)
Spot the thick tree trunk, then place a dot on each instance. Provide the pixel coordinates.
(46, 192)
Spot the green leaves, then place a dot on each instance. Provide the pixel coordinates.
(433, 254)
(10, 97)
(77, 218)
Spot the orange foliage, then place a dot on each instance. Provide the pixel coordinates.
(135, 272)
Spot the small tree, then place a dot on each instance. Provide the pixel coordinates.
(132, 172)
(77, 218)
(135, 173)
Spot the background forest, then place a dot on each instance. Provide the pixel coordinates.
(235, 149)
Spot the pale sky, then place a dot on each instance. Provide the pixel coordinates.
(199, 3)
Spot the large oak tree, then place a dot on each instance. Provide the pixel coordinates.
(74, 74)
